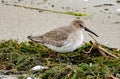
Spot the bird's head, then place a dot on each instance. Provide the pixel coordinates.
(79, 24)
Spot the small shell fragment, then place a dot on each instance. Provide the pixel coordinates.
(38, 67)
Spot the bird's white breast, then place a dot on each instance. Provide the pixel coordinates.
(73, 41)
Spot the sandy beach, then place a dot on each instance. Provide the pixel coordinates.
(18, 22)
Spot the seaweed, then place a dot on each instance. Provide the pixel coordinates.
(86, 62)
(77, 14)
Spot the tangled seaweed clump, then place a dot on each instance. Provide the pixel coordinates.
(87, 61)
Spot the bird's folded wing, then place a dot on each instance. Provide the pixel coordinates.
(55, 37)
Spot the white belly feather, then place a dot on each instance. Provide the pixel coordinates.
(74, 41)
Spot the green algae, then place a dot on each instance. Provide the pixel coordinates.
(77, 14)
(19, 58)
(45, 1)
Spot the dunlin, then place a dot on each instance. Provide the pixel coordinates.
(63, 39)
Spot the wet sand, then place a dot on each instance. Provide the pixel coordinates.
(18, 23)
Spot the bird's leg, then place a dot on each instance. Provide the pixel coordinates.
(61, 55)
(71, 65)
(57, 57)
(68, 60)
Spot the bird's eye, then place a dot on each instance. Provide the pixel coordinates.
(80, 25)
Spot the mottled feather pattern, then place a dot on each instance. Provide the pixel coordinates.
(55, 37)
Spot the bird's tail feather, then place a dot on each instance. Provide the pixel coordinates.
(29, 37)
(34, 39)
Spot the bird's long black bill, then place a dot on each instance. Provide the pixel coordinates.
(86, 29)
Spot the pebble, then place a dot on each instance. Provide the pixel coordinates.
(118, 10)
(107, 43)
(52, 5)
(38, 67)
(29, 78)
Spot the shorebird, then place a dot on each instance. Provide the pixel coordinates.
(63, 39)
